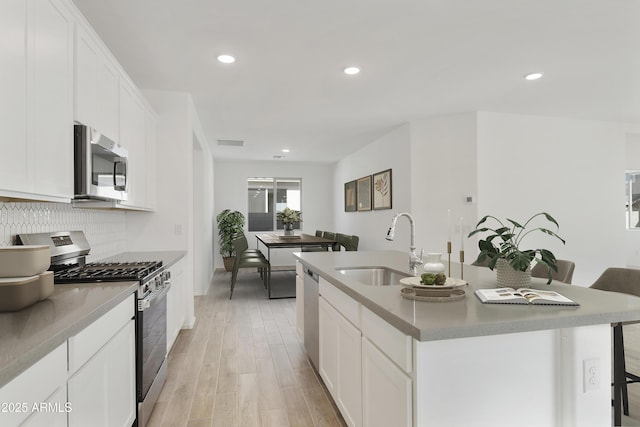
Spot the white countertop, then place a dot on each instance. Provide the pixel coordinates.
(427, 321)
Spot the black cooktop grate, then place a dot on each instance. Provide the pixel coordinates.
(108, 271)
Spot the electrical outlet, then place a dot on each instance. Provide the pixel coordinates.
(177, 230)
(591, 374)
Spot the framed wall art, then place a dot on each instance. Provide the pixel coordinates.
(350, 196)
(382, 190)
(363, 186)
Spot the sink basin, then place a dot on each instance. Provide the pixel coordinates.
(374, 276)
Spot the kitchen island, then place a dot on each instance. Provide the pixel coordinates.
(462, 362)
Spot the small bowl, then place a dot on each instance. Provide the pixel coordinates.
(24, 261)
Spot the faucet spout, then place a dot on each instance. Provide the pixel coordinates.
(414, 259)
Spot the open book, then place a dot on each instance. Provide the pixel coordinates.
(522, 296)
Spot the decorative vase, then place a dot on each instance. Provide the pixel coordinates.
(433, 263)
(288, 229)
(509, 278)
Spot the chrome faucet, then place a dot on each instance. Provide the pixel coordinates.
(414, 260)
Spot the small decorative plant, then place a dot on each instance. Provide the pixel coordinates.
(289, 216)
(504, 242)
(230, 223)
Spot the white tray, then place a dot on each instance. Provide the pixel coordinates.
(451, 283)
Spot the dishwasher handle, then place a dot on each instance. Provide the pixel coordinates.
(312, 275)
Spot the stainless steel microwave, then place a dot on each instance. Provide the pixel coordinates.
(100, 166)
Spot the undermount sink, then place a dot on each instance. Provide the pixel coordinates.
(374, 276)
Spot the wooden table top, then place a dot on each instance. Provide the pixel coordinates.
(302, 239)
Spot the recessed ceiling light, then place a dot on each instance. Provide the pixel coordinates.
(351, 70)
(226, 59)
(285, 150)
(533, 76)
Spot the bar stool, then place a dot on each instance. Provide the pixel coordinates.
(627, 281)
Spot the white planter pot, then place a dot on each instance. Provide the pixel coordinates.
(509, 278)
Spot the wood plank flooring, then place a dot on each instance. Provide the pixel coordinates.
(242, 365)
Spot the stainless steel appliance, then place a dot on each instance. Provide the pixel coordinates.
(311, 317)
(68, 251)
(100, 166)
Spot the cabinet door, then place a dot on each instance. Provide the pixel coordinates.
(50, 100)
(41, 382)
(107, 98)
(386, 390)
(13, 87)
(52, 412)
(300, 306)
(132, 137)
(102, 392)
(151, 159)
(340, 362)
(86, 77)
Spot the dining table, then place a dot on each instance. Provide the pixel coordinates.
(280, 241)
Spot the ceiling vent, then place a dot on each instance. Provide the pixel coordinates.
(230, 142)
(278, 156)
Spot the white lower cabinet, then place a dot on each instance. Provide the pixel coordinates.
(51, 413)
(340, 362)
(386, 390)
(102, 391)
(88, 380)
(42, 383)
(365, 363)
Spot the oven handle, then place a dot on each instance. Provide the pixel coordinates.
(150, 299)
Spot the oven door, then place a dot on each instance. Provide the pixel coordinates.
(151, 336)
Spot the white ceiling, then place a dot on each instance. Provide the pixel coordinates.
(418, 58)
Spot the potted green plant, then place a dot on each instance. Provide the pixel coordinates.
(230, 223)
(501, 248)
(288, 218)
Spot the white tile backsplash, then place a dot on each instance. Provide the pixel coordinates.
(105, 229)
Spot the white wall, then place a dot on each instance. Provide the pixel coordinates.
(317, 206)
(391, 151)
(171, 226)
(443, 174)
(572, 169)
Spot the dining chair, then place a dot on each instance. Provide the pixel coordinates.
(251, 261)
(319, 233)
(243, 243)
(332, 236)
(627, 281)
(350, 243)
(564, 273)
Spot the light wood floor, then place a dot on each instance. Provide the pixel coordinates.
(242, 365)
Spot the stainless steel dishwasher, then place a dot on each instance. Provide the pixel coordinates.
(311, 322)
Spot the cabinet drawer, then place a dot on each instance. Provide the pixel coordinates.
(392, 342)
(86, 343)
(33, 386)
(342, 302)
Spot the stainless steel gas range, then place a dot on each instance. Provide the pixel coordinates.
(68, 253)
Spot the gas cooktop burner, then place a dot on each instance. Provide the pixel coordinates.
(108, 271)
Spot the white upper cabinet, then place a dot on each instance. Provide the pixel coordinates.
(37, 108)
(151, 159)
(96, 84)
(13, 86)
(133, 138)
(51, 100)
